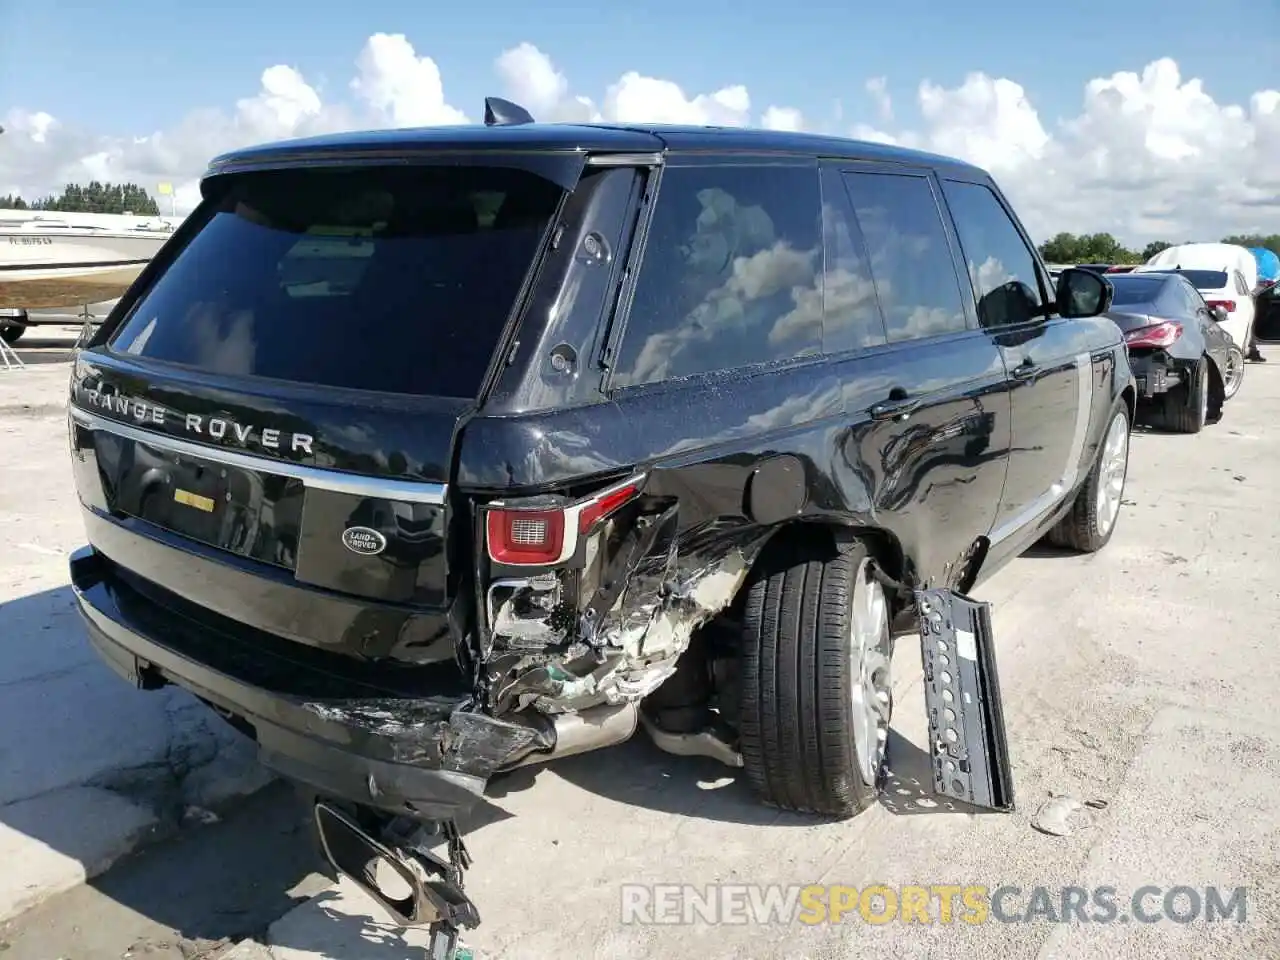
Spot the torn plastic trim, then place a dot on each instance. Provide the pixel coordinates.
(969, 752)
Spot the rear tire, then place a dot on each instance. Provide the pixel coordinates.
(1186, 409)
(1092, 519)
(817, 692)
(12, 335)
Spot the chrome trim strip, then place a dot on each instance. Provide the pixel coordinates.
(317, 478)
(625, 160)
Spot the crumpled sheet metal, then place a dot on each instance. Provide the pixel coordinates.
(635, 647)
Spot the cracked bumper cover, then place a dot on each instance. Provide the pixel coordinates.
(428, 756)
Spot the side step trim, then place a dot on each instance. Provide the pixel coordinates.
(318, 478)
(969, 750)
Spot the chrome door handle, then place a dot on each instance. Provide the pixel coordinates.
(897, 409)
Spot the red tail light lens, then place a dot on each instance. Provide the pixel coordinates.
(524, 537)
(1158, 335)
(596, 509)
(1227, 305)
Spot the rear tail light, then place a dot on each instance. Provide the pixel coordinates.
(1161, 334)
(526, 537)
(1227, 305)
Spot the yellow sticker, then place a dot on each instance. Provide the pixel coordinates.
(193, 500)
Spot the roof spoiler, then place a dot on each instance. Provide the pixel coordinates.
(504, 113)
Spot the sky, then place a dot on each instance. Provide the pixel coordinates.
(1149, 120)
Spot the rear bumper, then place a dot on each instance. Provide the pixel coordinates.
(1154, 375)
(428, 755)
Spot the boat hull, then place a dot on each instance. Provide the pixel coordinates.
(51, 289)
(40, 271)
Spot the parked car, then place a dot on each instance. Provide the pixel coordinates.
(1185, 365)
(1225, 274)
(610, 426)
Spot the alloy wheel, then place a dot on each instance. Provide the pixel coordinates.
(870, 653)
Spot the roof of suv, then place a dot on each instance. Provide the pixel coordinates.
(654, 137)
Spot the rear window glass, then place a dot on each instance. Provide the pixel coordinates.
(1135, 290)
(1206, 279)
(389, 279)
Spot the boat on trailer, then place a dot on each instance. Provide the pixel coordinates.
(63, 261)
(55, 261)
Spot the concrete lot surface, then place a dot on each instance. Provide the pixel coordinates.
(89, 768)
(1137, 683)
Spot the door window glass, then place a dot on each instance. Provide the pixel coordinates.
(910, 258)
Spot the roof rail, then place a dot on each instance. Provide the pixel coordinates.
(504, 113)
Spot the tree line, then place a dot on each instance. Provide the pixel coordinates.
(1104, 248)
(94, 197)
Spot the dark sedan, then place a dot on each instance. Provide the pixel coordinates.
(1186, 365)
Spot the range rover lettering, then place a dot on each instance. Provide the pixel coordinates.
(534, 435)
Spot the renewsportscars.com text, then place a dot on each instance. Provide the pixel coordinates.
(936, 903)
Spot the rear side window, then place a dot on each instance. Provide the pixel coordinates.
(1191, 296)
(1206, 279)
(1000, 264)
(389, 279)
(731, 276)
(910, 257)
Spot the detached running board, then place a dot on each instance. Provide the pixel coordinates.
(969, 751)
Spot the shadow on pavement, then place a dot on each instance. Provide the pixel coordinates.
(638, 774)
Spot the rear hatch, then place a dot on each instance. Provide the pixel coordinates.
(284, 393)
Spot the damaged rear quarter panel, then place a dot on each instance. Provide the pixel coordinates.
(717, 485)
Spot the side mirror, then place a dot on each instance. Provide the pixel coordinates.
(1219, 314)
(1083, 293)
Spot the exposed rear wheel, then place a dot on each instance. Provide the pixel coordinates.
(1186, 409)
(817, 693)
(1092, 519)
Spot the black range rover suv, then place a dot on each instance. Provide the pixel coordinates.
(424, 454)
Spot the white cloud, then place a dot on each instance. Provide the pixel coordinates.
(782, 118)
(878, 87)
(404, 87)
(1150, 154)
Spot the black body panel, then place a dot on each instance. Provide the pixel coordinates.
(388, 740)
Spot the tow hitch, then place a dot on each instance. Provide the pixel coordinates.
(432, 893)
(969, 751)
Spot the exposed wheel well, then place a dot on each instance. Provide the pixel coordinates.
(1217, 389)
(824, 539)
(1130, 396)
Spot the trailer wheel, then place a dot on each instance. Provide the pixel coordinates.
(12, 335)
(817, 692)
